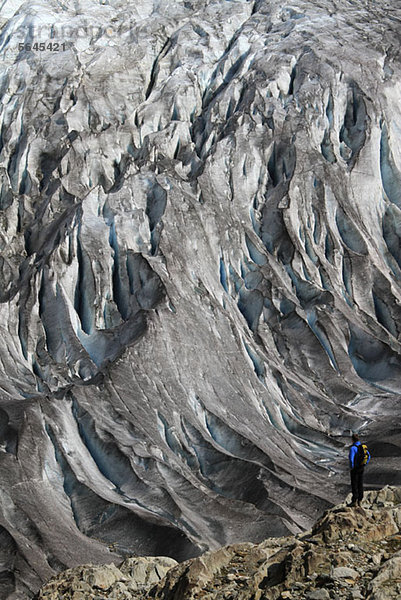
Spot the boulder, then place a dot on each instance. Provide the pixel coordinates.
(344, 573)
(321, 594)
(146, 571)
(88, 582)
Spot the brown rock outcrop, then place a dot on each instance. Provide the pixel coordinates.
(89, 582)
(350, 554)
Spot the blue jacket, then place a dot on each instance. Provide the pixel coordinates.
(352, 454)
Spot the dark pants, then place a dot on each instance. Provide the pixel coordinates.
(357, 484)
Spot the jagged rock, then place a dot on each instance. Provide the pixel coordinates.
(356, 594)
(318, 595)
(85, 581)
(341, 523)
(145, 572)
(345, 573)
(274, 566)
(127, 582)
(383, 586)
(276, 569)
(200, 223)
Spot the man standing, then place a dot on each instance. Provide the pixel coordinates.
(358, 457)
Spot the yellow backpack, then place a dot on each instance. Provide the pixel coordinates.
(362, 455)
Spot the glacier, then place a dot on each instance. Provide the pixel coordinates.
(200, 272)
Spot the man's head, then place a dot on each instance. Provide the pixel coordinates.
(355, 437)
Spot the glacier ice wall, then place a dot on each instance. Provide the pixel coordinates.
(200, 271)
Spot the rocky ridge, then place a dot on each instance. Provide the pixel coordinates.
(349, 554)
